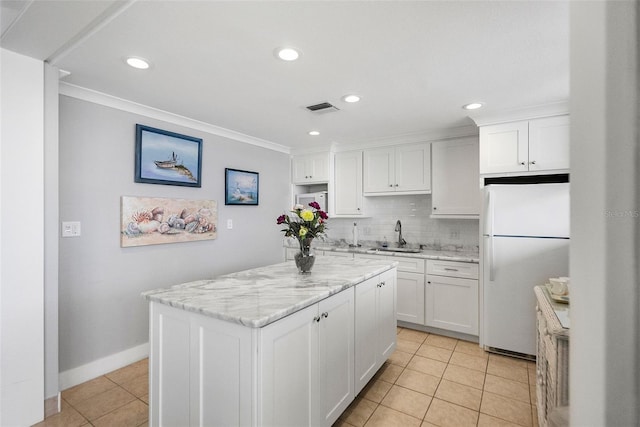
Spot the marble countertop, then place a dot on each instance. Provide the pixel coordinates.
(460, 256)
(260, 296)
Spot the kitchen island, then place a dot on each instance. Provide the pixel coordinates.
(270, 346)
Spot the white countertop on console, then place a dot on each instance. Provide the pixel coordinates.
(263, 295)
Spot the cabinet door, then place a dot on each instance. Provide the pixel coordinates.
(310, 168)
(455, 186)
(387, 322)
(410, 293)
(413, 167)
(452, 304)
(504, 147)
(288, 372)
(379, 170)
(549, 143)
(348, 183)
(366, 332)
(336, 346)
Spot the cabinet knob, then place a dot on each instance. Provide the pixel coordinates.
(316, 319)
(382, 284)
(533, 162)
(325, 314)
(522, 163)
(396, 185)
(434, 208)
(358, 208)
(310, 176)
(390, 185)
(428, 282)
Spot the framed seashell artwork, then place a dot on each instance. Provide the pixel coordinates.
(156, 220)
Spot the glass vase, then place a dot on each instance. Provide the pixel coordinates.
(305, 258)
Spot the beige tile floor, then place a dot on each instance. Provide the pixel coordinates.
(119, 398)
(433, 380)
(430, 380)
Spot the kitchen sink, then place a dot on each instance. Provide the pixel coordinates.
(405, 250)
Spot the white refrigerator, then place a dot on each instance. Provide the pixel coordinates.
(525, 241)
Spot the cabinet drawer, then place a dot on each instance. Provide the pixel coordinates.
(406, 264)
(464, 270)
(338, 254)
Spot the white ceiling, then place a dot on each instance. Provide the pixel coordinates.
(414, 63)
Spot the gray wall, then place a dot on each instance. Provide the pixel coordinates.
(101, 311)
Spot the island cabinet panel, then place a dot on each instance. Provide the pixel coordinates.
(375, 333)
(202, 358)
(306, 364)
(288, 370)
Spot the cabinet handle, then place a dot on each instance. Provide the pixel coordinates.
(522, 163)
(396, 185)
(316, 319)
(533, 162)
(434, 208)
(325, 314)
(358, 208)
(429, 282)
(382, 284)
(450, 269)
(390, 185)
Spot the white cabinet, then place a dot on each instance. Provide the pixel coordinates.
(375, 330)
(307, 364)
(310, 168)
(399, 169)
(455, 189)
(348, 183)
(410, 297)
(299, 370)
(337, 254)
(183, 346)
(525, 146)
(452, 296)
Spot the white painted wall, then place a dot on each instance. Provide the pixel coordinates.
(605, 303)
(102, 316)
(22, 247)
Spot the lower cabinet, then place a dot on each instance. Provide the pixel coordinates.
(307, 364)
(451, 296)
(375, 330)
(304, 369)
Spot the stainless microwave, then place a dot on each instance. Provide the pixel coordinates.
(319, 197)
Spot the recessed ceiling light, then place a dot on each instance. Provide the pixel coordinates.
(287, 53)
(473, 106)
(139, 63)
(314, 133)
(351, 98)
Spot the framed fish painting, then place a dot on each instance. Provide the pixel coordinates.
(240, 187)
(164, 157)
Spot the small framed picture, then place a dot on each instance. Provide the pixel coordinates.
(240, 187)
(164, 157)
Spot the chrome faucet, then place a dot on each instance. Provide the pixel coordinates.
(401, 241)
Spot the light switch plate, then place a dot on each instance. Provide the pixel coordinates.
(71, 229)
(229, 224)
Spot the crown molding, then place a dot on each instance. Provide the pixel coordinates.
(410, 138)
(525, 113)
(100, 98)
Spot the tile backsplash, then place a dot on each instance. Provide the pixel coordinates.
(417, 227)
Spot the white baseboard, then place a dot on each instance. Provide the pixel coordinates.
(52, 405)
(102, 366)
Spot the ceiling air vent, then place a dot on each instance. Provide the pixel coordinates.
(323, 107)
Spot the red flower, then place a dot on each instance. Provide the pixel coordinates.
(281, 219)
(322, 214)
(315, 205)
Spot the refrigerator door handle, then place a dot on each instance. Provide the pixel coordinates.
(490, 215)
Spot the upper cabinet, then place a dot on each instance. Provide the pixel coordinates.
(456, 187)
(348, 183)
(397, 170)
(310, 168)
(525, 146)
